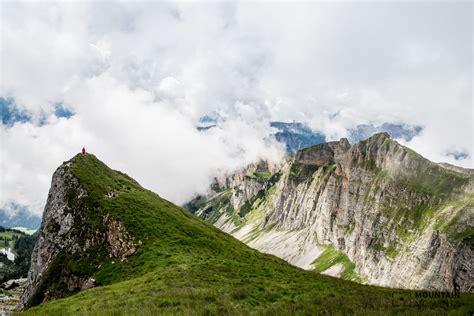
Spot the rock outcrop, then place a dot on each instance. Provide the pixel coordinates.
(74, 236)
(394, 218)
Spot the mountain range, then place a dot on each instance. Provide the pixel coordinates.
(374, 212)
(298, 135)
(19, 217)
(109, 246)
(294, 135)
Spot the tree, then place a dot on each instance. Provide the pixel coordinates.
(24, 247)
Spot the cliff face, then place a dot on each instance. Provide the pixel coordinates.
(75, 236)
(374, 212)
(142, 253)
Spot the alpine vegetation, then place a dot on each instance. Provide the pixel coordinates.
(109, 246)
(375, 212)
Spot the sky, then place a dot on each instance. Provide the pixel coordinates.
(130, 80)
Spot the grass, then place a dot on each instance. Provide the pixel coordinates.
(259, 176)
(433, 180)
(459, 227)
(300, 172)
(8, 237)
(429, 193)
(330, 257)
(255, 201)
(185, 266)
(196, 204)
(214, 207)
(426, 190)
(25, 230)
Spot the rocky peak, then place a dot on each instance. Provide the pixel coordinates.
(321, 154)
(385, 153)
(402, 220)
(381, 135)
(73, 229)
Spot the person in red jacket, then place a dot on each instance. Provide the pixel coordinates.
(83, 151)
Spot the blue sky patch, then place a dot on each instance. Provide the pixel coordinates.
(458, 154)
(61, 111)
(10, 113)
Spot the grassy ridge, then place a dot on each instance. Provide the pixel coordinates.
(186, 266)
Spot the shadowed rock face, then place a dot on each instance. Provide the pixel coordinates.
(66, 235)
(401, 220)
(322, 154)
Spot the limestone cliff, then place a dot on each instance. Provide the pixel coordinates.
(74, 237)
(374, 212)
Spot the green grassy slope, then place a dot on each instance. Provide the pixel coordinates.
(186, 266)
(8, 237)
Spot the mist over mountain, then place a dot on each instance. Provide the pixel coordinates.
(90, 74)
(297, 135)
(18, 216)
(275, 157)
(373, 212)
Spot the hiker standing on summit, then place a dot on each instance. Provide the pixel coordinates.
(83, 151)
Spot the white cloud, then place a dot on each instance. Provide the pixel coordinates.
(132, 132)
(139, 75)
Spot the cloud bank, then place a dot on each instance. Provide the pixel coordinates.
(138, 76)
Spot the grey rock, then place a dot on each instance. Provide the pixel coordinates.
(362, 200)
(63, 235)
